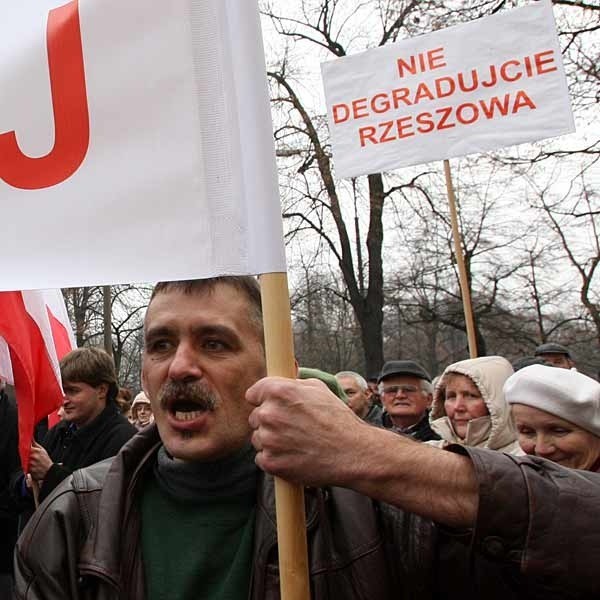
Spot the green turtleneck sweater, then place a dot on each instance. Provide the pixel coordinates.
(199, 547)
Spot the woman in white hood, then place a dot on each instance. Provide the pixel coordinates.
(141, 411)
(469, 406)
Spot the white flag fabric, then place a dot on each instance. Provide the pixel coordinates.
(135, 143)
(475, 87)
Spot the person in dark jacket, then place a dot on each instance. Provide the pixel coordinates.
(406, 394)
(186, 509)
(9, 461)
(92, 429)
(556, 355)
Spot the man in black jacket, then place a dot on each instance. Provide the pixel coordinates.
(92, 429)
(8, 463)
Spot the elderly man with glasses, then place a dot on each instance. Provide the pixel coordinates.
(406, 394)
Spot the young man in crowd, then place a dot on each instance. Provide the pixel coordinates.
(92, 429)
(186, 509)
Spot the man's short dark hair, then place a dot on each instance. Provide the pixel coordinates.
(245, 284)
(92, 366)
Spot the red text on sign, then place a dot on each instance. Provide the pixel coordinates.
(446, 117)
(509, 71)
(419, 63)
(69, 102)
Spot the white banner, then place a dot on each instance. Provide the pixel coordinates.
(135, 143)
(471, 88)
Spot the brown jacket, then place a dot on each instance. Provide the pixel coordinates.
(536, 537)
(86, 536)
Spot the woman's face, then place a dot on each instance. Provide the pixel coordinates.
(545, 435)
(463, 402)
(144, 412)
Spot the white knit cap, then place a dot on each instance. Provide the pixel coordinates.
(561, 392)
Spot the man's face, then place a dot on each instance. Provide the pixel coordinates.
(82, 403)
(558, 360)
(403, 397)
(202, 352)
(358, 399)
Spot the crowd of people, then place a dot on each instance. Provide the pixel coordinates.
(479, 483)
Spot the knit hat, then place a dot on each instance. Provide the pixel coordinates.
(403, 367)
(567, 394)
(327, 378)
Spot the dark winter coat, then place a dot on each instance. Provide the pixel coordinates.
(536, 537)
(73, 448)
(9, 462)
(420, 431)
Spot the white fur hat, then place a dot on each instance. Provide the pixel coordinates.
(561, 392)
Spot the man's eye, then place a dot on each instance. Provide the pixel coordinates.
(158, 346)
(215, 345)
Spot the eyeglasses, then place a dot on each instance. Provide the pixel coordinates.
(394, 389)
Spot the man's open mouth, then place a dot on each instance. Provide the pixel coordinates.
(186, 411)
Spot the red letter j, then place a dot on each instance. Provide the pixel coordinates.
(69, 103)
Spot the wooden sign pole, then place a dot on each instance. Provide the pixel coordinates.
(289, 497)
(460, 261)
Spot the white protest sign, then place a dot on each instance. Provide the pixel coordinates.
(471, 88)
(135, 143)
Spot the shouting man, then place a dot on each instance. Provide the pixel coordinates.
(186, 509)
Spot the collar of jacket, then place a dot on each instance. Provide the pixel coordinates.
(112, 551)
(389, 424)
(478, 432)
(86, 435)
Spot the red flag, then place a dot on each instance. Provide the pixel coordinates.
(36, 329)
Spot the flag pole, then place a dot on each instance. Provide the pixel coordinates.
(460, 261)
(289, 497)
(35, 489)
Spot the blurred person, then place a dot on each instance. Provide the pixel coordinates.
(527, 361)
(141, 411)
(123, 400)
(555, 354)
(9, 461)
(556, 415)
(360, 398)
(469, 406)
(406, 394)
(374, 388)
(128, 527)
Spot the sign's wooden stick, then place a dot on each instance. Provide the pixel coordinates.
(289, 498)
(460, 261)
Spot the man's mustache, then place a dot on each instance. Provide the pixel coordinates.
(194, 392)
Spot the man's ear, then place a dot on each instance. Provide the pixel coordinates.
(102, 391)
(368, 393)
(429, 400)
